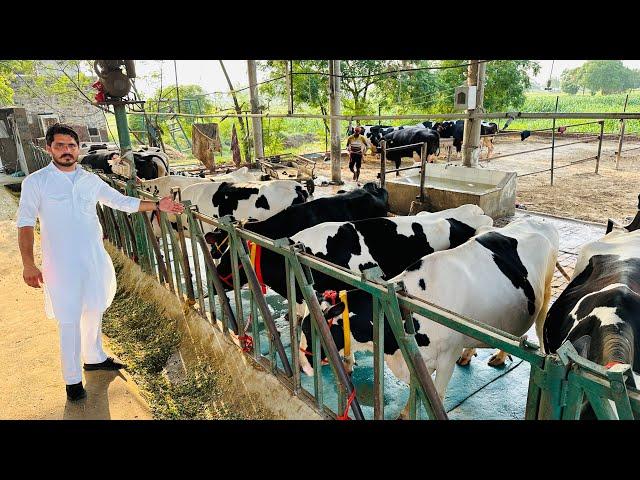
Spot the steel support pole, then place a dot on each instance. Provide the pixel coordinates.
(553, 141)
(334, 93)
(600, 145)
(471, 135)
(623, 123)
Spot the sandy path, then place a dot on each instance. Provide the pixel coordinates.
(32, 385)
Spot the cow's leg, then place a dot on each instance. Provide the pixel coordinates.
(398, 161)
(445, 364)
(349, 362)
(305, 366)
(465, 358)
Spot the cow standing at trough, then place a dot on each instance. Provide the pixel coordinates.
(501, 277)
(391, 243)
(242, 201)
(414, 137)
(367, 202)
(162, 186)
(599, 311)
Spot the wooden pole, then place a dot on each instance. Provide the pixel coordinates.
(256, 121)
(245, 146)
(553, 140)
(471, 135)
(600, 145)
(334, 89)
(619, 152)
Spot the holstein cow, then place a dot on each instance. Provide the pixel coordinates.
(367, 202)
(501, 277)
(599, 311)
(455, 130)
(488, 128)
(392, 243)
(411, 136)
(245, 200)
(150, 163)
(162, 186)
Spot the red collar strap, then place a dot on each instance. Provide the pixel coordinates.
(257, 263)
(611, 364)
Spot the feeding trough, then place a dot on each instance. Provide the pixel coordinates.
(451, 186)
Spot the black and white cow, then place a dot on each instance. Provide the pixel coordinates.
(455, 130)
(488, 128)
(391, 243)
(162, 186)
(150, 162)
(411, 136)
(501, 277)
(245, 200)
(599, 311)
(366, 202)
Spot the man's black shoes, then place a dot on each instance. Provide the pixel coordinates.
(76, 392)
(108, 364)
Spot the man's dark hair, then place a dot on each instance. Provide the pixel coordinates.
(60, 129)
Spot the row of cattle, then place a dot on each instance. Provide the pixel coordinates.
(150, 162)
(455, 259)
(430, 132)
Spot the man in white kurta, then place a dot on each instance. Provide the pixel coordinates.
(77, 275)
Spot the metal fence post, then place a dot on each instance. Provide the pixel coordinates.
(553, 140)
(378, 360)
(600, 145)
(383, 160)
(423, 166)
(623, 123)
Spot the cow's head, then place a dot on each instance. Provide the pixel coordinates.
(444, 129)
(603, 342)
(331, 313)
(219, 241)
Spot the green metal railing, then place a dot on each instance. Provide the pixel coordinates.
(557, 383)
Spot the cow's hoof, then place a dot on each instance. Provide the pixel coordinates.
(463, 362)
(465, 359)
(498, 360)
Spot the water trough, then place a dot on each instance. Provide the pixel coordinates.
(451, 186)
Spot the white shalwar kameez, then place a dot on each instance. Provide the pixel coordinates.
(79, 278)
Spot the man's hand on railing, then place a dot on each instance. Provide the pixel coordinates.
(167, 204)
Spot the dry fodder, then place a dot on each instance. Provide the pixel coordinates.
(150, 332)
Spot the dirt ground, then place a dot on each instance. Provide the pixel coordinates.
(578, 192)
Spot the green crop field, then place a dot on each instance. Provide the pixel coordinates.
(545, 102)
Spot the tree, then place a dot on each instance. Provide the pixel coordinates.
(606, 76)
(506, 82)
(8, 71)
(570, 80)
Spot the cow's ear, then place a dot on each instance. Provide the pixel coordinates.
(582, 345)
(334, 311)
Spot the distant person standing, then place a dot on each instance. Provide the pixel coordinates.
(357, 144)
(77, 273)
